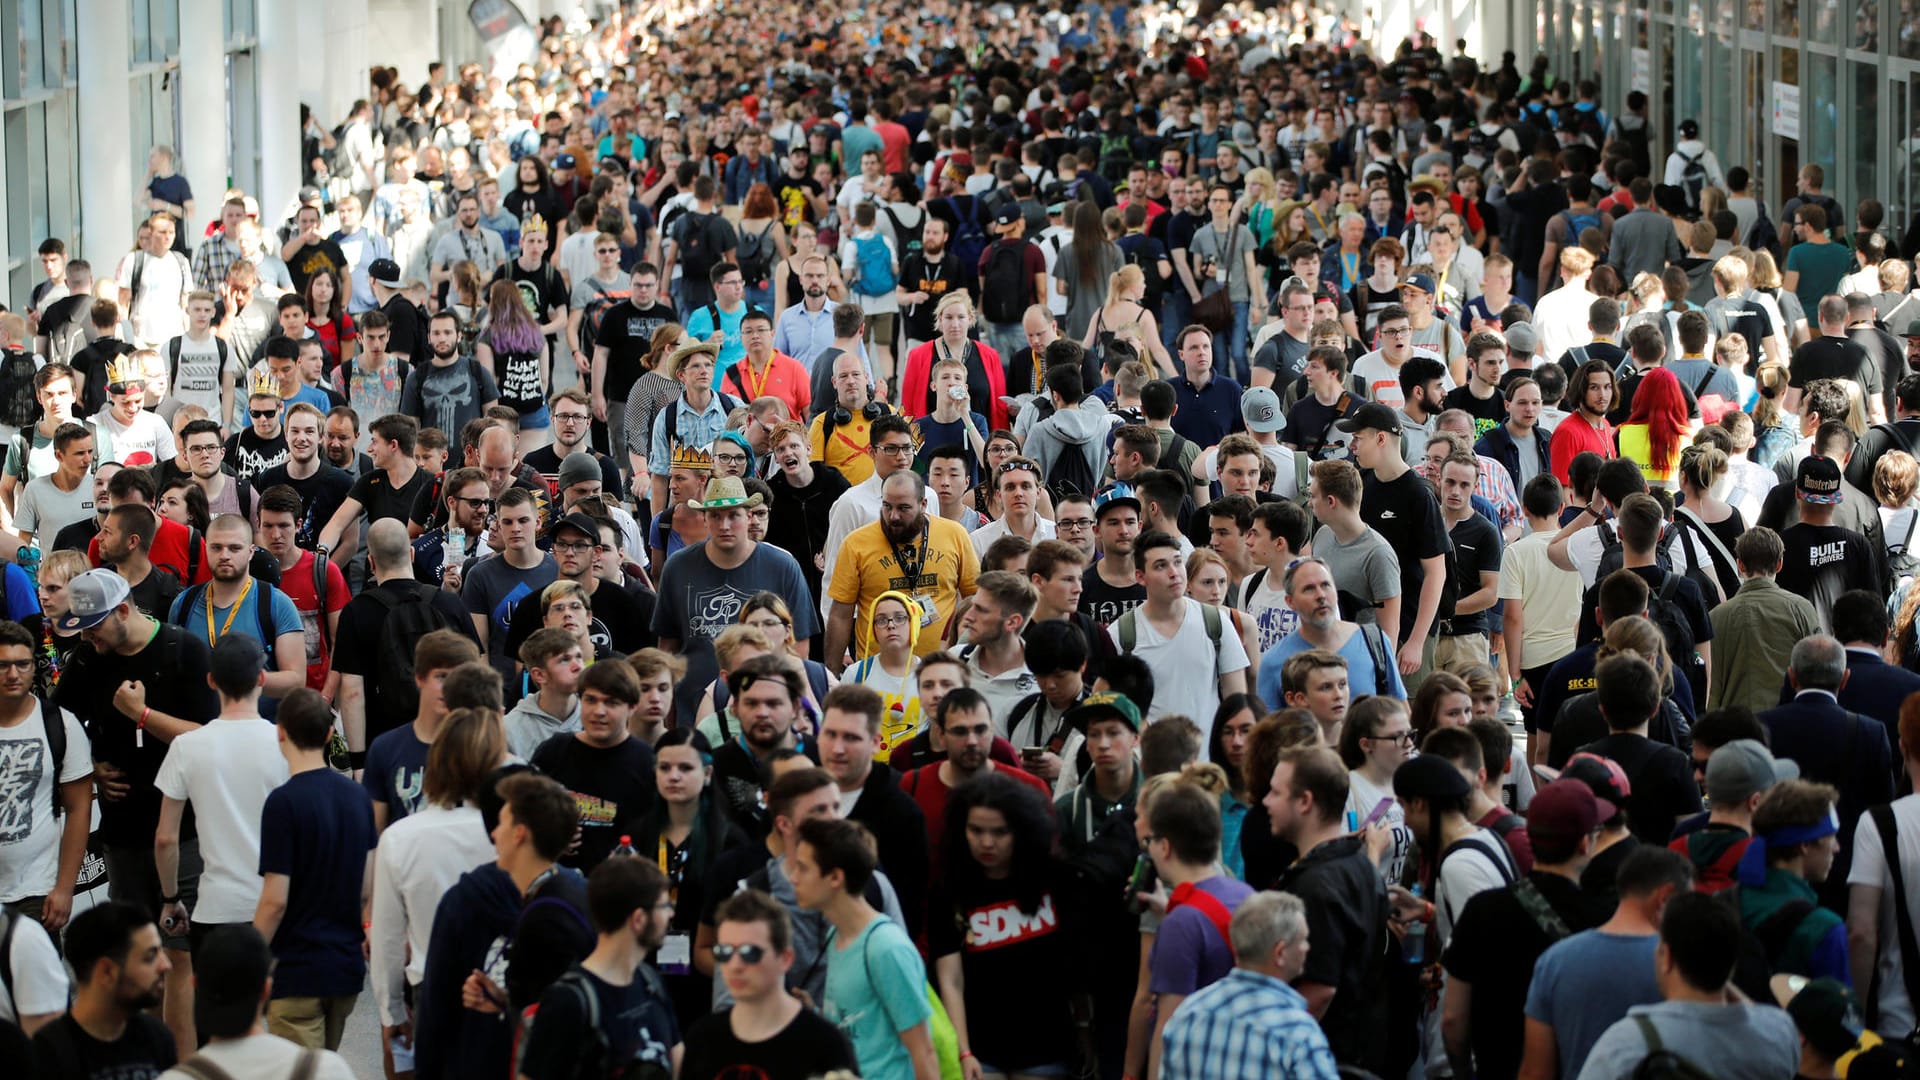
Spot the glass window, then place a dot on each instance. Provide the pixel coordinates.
(1786, 18)
(1865, 32)
(39, 214)
(1820, 115)
(1906, 32)
(140, 47)
(1864, 142)
(31, 72)
(166, 29)
(1753, 14)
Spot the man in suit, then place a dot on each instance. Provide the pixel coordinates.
(1832, 744)
(1874, 688)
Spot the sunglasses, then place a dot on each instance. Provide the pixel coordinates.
(263, 414)
(749, 954)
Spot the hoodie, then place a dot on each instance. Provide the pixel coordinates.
(1715, 852)
(1081, 430)
(900, 835)
(450, 1040)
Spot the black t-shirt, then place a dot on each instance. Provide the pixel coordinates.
(1310, 425)
(1833, 358)
(1346, 906)
(313, 258)
(627, 332)
(409, 337)
(1494, 946)
(622, 623)
(356, 645)
(1487, 414)
(793, 194)
(1018, 967)
(1823, 561)
(1406, 514)
(77, 536)
(1686, 597)
(173, 669)
(381, 500)
(91, 363)
(1476, 550)
(1103, 603)
(546, 462)
(808, 1046)
(1623, 398)
(612, 786)
(542, 288)
(320, 494)
(936, 278)
(155, 594)
(636, 1021)
(1660, 778)
(249, 455)
(142, 1052)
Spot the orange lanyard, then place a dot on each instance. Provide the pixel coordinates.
(231, 612)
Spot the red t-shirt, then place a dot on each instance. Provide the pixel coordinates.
(169, 550)
(297, 583)
(931, 793)
(1575, 436)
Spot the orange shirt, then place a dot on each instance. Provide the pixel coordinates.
(784, 378)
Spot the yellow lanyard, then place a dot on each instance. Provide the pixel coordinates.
(1319, 220)
(1351, 264)
(673, 879)
(231, 612)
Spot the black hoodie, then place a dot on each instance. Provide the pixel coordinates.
(900, 831)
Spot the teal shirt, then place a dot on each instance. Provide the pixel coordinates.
(1821, 266)
(732, 346)
(876, 989)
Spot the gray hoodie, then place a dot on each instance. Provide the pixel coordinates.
(528, 725)
(1083, 429)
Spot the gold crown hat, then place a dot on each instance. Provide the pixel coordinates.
(126, 370)
(261, 383)
(691, 458)
(533, 224)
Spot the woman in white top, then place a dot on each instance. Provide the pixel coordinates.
(422, 855)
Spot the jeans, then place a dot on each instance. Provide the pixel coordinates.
(1230, 348)
(1179, 310)
(1006, 339)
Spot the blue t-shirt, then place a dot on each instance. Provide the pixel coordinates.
(1189, 951)
(732, 346)
(396, 770)
(932, 434)
(877, 988)
(1565, 996)
(22, 598)
(317, 829)
(282, 618)
(1360, 670)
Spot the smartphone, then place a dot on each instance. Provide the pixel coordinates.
(1379, 809)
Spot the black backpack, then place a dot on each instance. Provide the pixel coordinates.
(409, 617)
(697, 254)
(756, 254)
(1002, 296)
(906, 240)
(173, 362)
(1139, 255)
(1071, 474)
(970, 238)
(1662, 1063)
(18, 406)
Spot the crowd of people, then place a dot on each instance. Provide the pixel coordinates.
(1146, 541)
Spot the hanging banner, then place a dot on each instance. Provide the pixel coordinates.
(504, 30)
(1786, 111)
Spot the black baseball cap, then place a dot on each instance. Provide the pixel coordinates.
(1372, 416)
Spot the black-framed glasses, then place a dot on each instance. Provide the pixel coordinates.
(1403, 738)
(888, 622)
(214, 449)
(1073, 524)
(894, 448)
(748, 954)
(575, 546)
(16, 665)
(484, 504)
(730, 459)
(571, 417)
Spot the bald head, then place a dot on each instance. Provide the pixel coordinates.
(389, 549)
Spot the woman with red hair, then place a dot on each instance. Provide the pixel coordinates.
(1656, 429)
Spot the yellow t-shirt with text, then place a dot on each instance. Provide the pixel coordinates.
(866, 567)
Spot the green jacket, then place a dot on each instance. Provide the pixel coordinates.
(1754, 632)
(1817, 946)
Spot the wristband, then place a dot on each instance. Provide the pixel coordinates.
(174, 899)
(965, 1054)
(357, 759)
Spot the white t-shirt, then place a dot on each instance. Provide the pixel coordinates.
(1362, 797)
(29, 833)
(39, 978)
(1267, 605)
(225, 770)
(44, 509)
(1285, 483)
(159, 309)
(1584, 549)
(1870, 868)
(1550, 596)
(1468, 872)
(1381, 380)
(885, 304)
(1186, 667)
(199, 373)
(263, 1055)
(984, 536)
(144, 442)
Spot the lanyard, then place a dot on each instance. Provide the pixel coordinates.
(231, 612)
(673, 863)
(745, 368)
(911, 569)
(1319, 219)
(1350, 266)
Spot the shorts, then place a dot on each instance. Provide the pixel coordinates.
(132, 879)
(1456, 653)
(880, 329)
(198, 932)
(537, 420)
(313, 1022)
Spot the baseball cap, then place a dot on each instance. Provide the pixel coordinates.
(1824, 1010)
(1008, 214)
(1330, 293)
(1430, 776)
(1101, 706)
(577, 521)
(1118, 493)
(1372, 416)
(1260, 408)
(232, 969)
(611, 162)
(385, 272)
(1913, 329)
(1689, 129)
(1523, 338)
(91, 597)
(1423, 282)
(564, 161)
(309, 194)
(1818, 481)
(1743, 768)
(1565, 810)
(1602, 775)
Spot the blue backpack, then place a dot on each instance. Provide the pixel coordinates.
(1579, 223)
(875, 267)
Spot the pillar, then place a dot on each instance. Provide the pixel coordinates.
(106, 153)
(203, 152)
(279, 113)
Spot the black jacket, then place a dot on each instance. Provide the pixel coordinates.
(899, 829)
(1498, 444)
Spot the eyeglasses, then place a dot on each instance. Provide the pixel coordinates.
(1073, 524)
(730, 459)
(1403, 738)
(575, 546)
(214, 449)
(16, 665)
(894, 448)
(1396, 331)
(571, 417)
(748, 954)
(263, 414)
(888, 622)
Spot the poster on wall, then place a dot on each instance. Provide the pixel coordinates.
(1642, 77)
(1786, 111)
(503, 29)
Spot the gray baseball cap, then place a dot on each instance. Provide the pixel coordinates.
(1745, 767)
(1523, 338)
(91, 597)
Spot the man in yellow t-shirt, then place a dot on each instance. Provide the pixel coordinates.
(842, 435)
(928, 558)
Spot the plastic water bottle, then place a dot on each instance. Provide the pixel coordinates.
(455, 548)
(1413, 946)
(624, 849)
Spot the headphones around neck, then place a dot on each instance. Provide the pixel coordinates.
(871, 411)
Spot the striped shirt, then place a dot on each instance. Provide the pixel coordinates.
(1247, 1026)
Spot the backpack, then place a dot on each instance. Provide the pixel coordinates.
(1002, 298)
(199, 1068)
(1532, 901)
(1130, 628)
(697, 254)
(1903, 562)
(727, 402)
(1579, 223)
(1660, 1062)
(970, 237)
(756, 254)
(524, 1022)
(1137, 255)
(19, 407)
(1071, 474)
(593, 315)
(873, 272)
(906, 239)
(173, 362)
(408, 619)
(595, 1055)
(1693, 177)
(262, 610)
(1483, 146)
(940, 1030)
(65, 341)
(1665, 612)
(1115, 158)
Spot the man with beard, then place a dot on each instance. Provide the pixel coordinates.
(450, 389)
(463, 535)
(765, 692)
(842, 432)
(1109, 588)
(237, 602)
(908, 550)
(120, 971)
(626, 334)
(925, 277)
(32, 454)
(263, 443)
(965, 722)
(317, 598)
(572, 412)
(386, 492)
(321, 486)
(703, 587)
(470, 241)
(617, 618)
(803, 498)
(126, 537)
(341, 439)
(995, 651)
(807, 332)
(608, 771)
(1368, 651)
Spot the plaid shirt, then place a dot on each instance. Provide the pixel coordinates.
(212, 259)
(1247, 1026)
(1496, 486)
(693, 429)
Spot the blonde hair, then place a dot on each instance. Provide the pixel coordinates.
(1895, 476)
(958, 298)
(1123, 279)
(728, 643)
(1640, 636)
